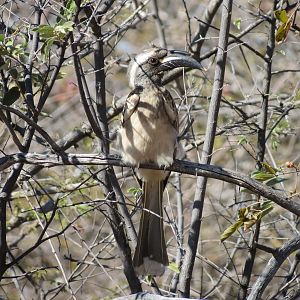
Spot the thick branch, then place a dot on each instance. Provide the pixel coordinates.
(272, 267)
(181, 166)
(212, 119)
(146, 296)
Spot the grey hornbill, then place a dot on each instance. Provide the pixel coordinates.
(149, 134)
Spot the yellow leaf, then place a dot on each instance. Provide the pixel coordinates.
(282, 32)
(286, 17)
(242, 213)
(268, 168)
(281, 15)
(174, 267)
(230, 230)
(249, 224)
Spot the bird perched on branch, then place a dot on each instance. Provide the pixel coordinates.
(149, 134)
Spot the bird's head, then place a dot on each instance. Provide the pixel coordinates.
(153, 64)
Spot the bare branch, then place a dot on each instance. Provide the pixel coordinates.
(180, 166)
(192, 245)
(209, 14)
(261, 146)
(159, 25)
(272, 267)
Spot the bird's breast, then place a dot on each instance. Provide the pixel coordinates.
(149, 136)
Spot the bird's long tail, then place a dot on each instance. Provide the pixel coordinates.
(150, 256)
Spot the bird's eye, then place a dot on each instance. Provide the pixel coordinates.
(153, 61)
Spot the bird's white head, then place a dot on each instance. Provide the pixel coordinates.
(152, 65)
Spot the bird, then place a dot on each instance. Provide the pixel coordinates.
(149, 134)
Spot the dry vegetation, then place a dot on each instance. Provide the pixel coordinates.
(61, 223)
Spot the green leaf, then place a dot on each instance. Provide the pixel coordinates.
(9, 43)
(65, 27)
(11, 96)
(266, 207)
(2, 37)
(230, 230)
(274, 181)
(45, 31)
(242, 140)
(47, 48)
(261, 175)
(258, 216)
(237, 23)
(37, 79)
(274, 143)
(174, 267)
(68, 25)
(269, 168)
(134, 191)
(40, 274)
(70, 9)
(266, 204)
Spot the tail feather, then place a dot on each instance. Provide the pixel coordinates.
(150, 256)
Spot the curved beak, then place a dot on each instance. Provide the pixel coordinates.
(177, 59)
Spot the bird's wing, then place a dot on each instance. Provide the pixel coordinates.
(170, 109)
(130, 105)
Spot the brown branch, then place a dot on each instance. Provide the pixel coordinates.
(185, 277)
(272, 267)
(159, 25)
(235, 39)
(208, 16)
(180, 166)
(261, 147)
(110, 185)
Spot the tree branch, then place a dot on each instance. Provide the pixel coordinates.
(261, 146)
(192, 245)
(110, 184)
(208, 16)
(180, 166)
(272, 267)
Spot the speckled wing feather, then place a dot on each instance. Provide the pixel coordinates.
(170, 109)
(131, 104)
